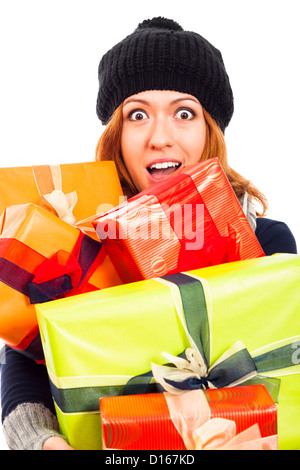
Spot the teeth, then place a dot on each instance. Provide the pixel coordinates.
(158, 166)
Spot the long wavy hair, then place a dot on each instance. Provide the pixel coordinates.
(109, 148)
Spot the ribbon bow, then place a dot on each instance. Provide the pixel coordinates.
(66, 273)
(219, 250)
(220, 434)
(60, 204)
(234, 367)
(57, 275)
(191, 416)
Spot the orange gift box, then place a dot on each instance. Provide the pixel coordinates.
(42, 258)
(96, 184)
(236, 418)
(190, 220)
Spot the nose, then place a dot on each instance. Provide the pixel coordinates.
(160, 133)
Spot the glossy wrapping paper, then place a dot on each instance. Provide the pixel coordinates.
(242, 417)
(192, 219)
(106, 343)
(96, 184)
(42, 257)
(73, 193)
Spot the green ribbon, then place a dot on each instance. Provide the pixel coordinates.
(86, 399)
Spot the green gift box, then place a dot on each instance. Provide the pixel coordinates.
(241, 318)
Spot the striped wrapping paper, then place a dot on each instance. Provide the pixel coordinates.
(190, 220)
(145, 422)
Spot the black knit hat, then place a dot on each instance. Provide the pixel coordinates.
(160, 55)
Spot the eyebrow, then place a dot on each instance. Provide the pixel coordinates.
(135, 100)
(187, 98)
(138, 100)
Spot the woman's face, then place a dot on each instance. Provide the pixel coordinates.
(162, 130)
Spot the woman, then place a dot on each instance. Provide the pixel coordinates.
(158, 56)
(166, 99)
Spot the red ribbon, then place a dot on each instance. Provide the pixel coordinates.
(54, 277)
(65, 274)
(220, 250)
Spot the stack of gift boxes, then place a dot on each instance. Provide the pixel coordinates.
(161, 322)
(43, 256)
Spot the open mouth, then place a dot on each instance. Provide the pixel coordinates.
(163, 169)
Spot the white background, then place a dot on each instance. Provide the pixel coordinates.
(48, 82)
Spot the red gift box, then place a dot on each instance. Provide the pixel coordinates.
(144, 422)
(190, 220)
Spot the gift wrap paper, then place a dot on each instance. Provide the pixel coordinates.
(96, 183)
(190, 220)
(105, 343)
(159, 421)
(30, 238)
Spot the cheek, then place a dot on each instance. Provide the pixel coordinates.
(194, 144)
(201, 143)
(131, 145)
(131, 152)
(127, 149)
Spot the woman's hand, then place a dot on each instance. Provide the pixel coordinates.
(56, 443)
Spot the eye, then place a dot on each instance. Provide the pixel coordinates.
(137, 115)
(185, 114)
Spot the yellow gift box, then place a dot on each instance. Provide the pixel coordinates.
(29, 237)
(242, 318)
(96, 184)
